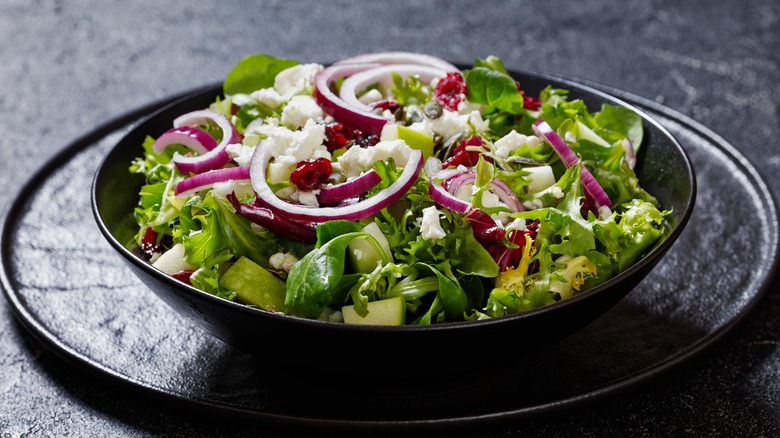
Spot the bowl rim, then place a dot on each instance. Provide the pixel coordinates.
(588, 88)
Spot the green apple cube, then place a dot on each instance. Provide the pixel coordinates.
(391, 311)
(414, 139)
(254, 285)
(362, 255)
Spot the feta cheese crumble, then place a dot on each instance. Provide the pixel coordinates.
(430, 227)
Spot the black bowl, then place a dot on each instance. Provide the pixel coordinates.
(311, 351)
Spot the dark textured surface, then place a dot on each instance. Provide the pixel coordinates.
(69, 66)
(100, 318)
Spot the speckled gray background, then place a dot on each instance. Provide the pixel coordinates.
(70, 66)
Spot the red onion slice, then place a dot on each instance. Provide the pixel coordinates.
(447, 199)
(213, 159)
(359, 210)
(302, 231)
(334, 106)
(195, 139)
(503, 191)
(454, 183)
(382, 75)
(194, 184)
(400, 58)
(349, 189)
(206, 116)
(506, 195)
(592, 188)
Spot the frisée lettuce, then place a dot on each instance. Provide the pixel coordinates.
(324, 177)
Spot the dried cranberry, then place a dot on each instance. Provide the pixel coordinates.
(450, 90)
(183, 276)
(337, 136)
(310, 174)
(468, 158)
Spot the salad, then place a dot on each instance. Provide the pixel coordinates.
(394, 188)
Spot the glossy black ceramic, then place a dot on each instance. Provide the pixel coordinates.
(319, 350)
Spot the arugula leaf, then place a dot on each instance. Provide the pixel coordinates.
(253, 73)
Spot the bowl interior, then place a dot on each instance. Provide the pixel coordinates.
(663, 169)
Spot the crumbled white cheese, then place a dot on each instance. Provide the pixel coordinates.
(240, 188)
(241, 154)
(430, 228)
(242, 99)
(296, 79)
(507, 144)
(423, 126)
(281, 169)
(451, 123)
(306, 197)
(356, 160)
(468, 107)
(268, 97)
(533, 204)
(371, 96)
(283, 261)
(557, 192)
(300, 110)
(478, 125)
(291, 147)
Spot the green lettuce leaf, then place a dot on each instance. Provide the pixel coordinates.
(214, 227)
(253, 73)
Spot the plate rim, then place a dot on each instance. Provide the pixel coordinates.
(85, 364)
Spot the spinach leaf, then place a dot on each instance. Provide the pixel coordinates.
(313, 280)
(493, 88)
(253, 73)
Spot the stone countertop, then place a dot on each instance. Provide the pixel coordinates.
(68, 67)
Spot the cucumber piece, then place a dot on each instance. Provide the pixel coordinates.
(362, 255)
(414, 139)
(391, 311)
(254, 285)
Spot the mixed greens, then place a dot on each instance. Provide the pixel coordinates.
(393, 188)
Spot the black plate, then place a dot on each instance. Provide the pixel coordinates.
(68, 287)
